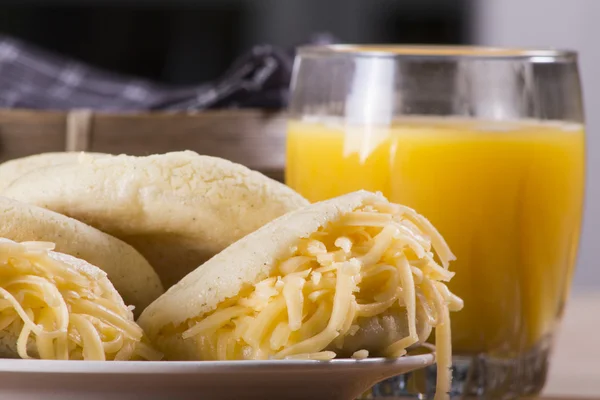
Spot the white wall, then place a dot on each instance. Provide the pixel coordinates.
(571, 24)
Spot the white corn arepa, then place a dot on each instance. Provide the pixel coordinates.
(245, 262)
(56, 306)
(130, 273)
(13, 169)
(177, 209)
(241, 266)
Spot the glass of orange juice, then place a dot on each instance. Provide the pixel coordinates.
(489, 145)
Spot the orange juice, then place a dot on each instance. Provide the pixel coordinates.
(506, 196)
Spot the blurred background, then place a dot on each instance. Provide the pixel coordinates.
(193, 41)
(187, 41)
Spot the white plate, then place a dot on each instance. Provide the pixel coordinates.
(342, 379)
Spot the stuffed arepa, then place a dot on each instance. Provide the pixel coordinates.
(13, 169)
(352, 276)
(58, 307)
(177, 209)
(127, 269)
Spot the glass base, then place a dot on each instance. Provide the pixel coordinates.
(475, 377)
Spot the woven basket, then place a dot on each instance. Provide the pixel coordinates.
(251, 137)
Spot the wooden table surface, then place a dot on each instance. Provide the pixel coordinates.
(575, 364)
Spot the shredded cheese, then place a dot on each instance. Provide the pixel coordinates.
(343, 243)
(294, 301)
(360, 354)
(377, 260)
(64, 312)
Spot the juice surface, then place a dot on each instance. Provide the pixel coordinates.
(506, 196)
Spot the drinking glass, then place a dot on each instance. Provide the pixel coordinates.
(489, 145)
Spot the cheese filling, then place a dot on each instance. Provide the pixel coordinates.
(61, 312)
(370, 275)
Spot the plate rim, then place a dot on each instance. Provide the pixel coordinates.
(196, 367)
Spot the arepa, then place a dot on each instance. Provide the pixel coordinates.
(127, 269)
(177, 209)
(13, 169)
(351, 276)
(55, 306)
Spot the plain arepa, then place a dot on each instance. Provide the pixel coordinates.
(350, 276)
(13, 169)
(177, 209)
(129, 272)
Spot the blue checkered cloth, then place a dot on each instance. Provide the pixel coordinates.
(37, 79)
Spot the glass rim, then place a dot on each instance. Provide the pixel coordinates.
(439, 52)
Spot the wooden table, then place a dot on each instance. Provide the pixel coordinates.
(575, 365)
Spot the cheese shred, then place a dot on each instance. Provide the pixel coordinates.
(62, 312)
(374, 262)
